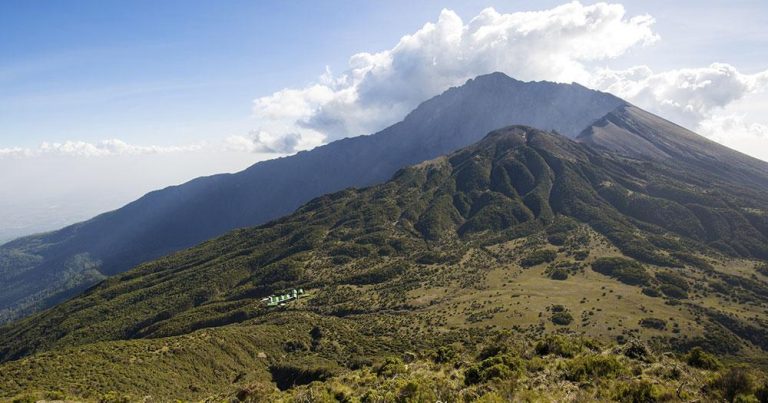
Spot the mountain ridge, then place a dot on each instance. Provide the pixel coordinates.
(41, 270)
(515, 183)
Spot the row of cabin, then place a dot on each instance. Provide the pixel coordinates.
(274, 300)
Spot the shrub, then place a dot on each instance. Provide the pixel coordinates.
(562, 318)
(734, 382)
(292, 346)
(558, 308)
(587, 367)
(673, 291)
(559, 345)
(762, 393)
(668, 277)
(694, 261)
(653, 323)
(638, 351)
(538, 257)
(581, 254)
(503, 366)
(698, 358)
(287, 376)
(557, 239)
(392, 366)
(640, 391)
(558, 274)
(651, 292)
(625, 270)
(417, 390)
(444, 354)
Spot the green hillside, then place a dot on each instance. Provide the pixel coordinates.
(523, 235)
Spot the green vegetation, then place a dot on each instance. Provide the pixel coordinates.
(562, 346)
(593, 366)
(538, 257)
(505, 370)
(698, 358)
(625, 270)
(653, 323)
(437, 285)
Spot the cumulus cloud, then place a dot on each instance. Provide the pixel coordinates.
(111, 147)
(685, 96)
(377, 89)
(259, 141)
(718, 127)
(736, 132)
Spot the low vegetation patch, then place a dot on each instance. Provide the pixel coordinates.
(653, 323)
(625, 270)
(699, 358)
(590, 366)
(538, 257)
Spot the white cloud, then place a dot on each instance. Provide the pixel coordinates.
(378, 89)
(735, 132)
(571, 42)
(685, 96)
(111, 147)
(14, 152)
(259, 141)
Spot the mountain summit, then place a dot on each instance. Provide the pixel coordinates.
(41, 270)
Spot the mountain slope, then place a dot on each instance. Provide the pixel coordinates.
(447, 233)
(41, 270)
(631, 131)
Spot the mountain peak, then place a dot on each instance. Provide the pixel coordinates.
(495, 77)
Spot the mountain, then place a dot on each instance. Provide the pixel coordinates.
(521, 236)
(631, 131)
(42, 270)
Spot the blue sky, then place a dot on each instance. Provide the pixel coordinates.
(89, 90)
(184, 71)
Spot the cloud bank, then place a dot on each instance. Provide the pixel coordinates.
(378, 89)
(690, 97)
(568, 43)
(111, 147)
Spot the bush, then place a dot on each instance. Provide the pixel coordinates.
(625, 270)
(651, 292)
(557, 239)
(637, 350)
(673, 291)
(287, 376)
(444, 354)
(503, 366)
(415, 391)
(559, 345)
(581, 254)
(698, 358)
(762, 393)
(668, 277)
(558, 274)
(734, 382)
(591, 366)
(392, 366)
(538, 257)
(637, 392)
(653, 323)
(562, 318)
